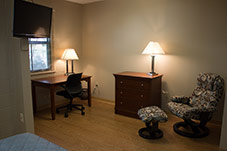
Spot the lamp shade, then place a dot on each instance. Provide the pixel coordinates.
(153, 48)
(70, 54)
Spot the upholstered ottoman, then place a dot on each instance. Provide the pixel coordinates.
(154, 115)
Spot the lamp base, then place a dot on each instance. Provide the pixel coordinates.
(68, 73)
(152, 73)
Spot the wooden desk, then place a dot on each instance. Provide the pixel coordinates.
(51, 83)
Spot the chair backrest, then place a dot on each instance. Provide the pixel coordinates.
(208, 92)
(73, 83)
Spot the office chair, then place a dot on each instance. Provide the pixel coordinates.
(200, 106)
(72, 89)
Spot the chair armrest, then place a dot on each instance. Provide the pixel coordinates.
(180, 99)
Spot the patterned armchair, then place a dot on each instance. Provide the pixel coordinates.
(200, 106)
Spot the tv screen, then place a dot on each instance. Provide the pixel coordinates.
(31, 20)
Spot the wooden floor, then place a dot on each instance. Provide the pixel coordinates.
(102, 130)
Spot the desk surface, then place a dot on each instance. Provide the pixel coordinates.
(56, 79)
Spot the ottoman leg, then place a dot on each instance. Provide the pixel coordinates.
(151, 132)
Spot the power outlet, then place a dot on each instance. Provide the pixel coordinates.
(22, 117)
(96, 84)
(96, 87)
(165, 92)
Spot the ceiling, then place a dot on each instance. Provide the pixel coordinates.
(84, 1)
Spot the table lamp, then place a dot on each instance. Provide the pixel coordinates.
(153, 49)
(69, 54)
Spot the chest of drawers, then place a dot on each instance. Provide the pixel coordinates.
(135, 90)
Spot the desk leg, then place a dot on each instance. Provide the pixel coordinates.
(89, 91)
(34, 98)
(52, 98)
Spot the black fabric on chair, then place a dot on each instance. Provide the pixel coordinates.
(72, 89)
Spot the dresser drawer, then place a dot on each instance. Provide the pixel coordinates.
(126, 104)
(123, 82)
(133, 94)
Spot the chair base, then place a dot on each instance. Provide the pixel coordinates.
(195, 131)
(144, 132)
(151, 132)
(69, 108)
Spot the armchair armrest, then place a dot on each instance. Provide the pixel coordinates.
(180, 99)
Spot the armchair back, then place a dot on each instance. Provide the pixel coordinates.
(208, 93)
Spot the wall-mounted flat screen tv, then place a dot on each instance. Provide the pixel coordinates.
(31, 20)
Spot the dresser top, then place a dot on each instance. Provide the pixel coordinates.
(137, 74)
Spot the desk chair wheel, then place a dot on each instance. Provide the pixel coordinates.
(66, 115)
(82, 113)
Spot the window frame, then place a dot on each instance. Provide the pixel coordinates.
(49, 52)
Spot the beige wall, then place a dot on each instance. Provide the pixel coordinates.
(15, 96)
(66, 33)
(193, 34)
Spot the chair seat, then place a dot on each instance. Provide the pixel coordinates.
(183, 111)
(151, 114)
(66, 95)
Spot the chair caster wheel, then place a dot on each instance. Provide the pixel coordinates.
(57, 111)
(66, 115)
(82, 113)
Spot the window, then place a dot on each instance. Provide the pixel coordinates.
(39, 54)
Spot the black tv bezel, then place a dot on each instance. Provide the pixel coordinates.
(21, 35)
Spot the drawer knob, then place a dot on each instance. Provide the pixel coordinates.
(141, 84)
(141, 95)
(121, 102)
(121, 82)
(121, 92)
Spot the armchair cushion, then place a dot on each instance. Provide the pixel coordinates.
(180, 99)
(152, 113)
(205, 100)
(211, 82)
(185, 111)
(182, 110)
